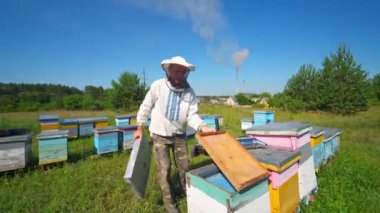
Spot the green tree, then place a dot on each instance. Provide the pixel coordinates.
(284, 101)
(243, 99)
(127, 91)
(375, 87)
(265, 95)
(303, 87)
(344, 87)
(8, 103)
(73, 102)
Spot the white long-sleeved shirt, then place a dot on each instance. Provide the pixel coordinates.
(171, 109)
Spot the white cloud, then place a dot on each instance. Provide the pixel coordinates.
(205, 15)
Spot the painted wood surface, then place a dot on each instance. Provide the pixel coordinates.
(274, 159)
(318, 155)
(71, 125)
(281, 129)
(279, 178)
(49, 126)
(285, 198)
(239, 166)
(52, 146)
(127, 136)
(106, 140)
(246, 123)
(15, 149)
(208, 190)
(307, 179)
(283, 142)
(262, 117)
(211, 121)
(137, 171)
(86, 129)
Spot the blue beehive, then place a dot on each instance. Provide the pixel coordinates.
(126, 136)
(125, 120)
(262, 117)
(318, 148)
(52, 146)
(331, 142)
(86, 126)
(106, 140)
(211, 121)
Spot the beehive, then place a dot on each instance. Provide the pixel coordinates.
(15, 149)
(52, 146)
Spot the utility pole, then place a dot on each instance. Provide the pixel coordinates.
(144, 78)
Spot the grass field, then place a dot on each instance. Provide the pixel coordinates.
(350, 182)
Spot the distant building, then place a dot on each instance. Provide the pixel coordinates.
(264, 101)
(214, 101)
(232, 101)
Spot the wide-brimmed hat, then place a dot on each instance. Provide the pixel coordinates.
(176, 60)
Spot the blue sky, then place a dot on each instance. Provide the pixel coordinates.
(78, 43)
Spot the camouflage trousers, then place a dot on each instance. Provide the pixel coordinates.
(162, 147)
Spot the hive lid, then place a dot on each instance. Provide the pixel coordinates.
(137, 171)
(14, 135)
(329, 133)
(69, 121)
(85, 120)
(127, 128)
(274, 159)
(103, 130)
(316, 131)
(100, 118)
(247, 120)
(263, 112)
(53, 134)
(239, 166)
(48, 118)
(280, 128)
(125, 116)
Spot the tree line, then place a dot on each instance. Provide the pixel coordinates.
(340, 86)
(126, 93)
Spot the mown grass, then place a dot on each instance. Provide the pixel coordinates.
(350, 182)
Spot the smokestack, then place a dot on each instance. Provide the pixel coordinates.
(239, 57)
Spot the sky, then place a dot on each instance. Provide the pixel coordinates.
(92, 42)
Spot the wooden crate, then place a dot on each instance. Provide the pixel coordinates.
(106, 140)
(15, 149)
(52, 146)
(208, 190)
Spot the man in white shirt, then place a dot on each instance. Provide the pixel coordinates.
(172, 104)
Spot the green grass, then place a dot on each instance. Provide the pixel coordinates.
(350, 182)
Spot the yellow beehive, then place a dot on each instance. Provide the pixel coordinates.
(316, 136)
(285, 198)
